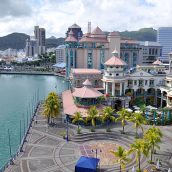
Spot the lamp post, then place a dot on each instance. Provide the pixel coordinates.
(67, 129)
(96, 151)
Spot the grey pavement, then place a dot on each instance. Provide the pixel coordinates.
(47, 151)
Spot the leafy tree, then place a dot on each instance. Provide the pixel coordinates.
(122, 157)
(51, 106)
(77, 119)
(153, 136)
(123, 117)
(138, 120)
(93, 115)
(107, 115)
(139, 147)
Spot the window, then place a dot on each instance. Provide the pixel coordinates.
(110, 74)
(117, 74)
(90, 60)
(146, 82)
(151, 82)
(135, 82)
(102, 58)
(140, 82)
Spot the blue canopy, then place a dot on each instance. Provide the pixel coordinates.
(60, 65)
(86, 164)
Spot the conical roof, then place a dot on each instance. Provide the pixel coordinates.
(87, 83)
(115, 61)
(97, 32)
(74, 26)
(70, 37)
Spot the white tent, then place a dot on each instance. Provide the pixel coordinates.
(129, 110)
(157, 164)
(133, 169)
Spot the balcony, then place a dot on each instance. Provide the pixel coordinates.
(151, 85)
(130, 85)
(141, 85)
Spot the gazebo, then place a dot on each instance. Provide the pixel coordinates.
(87, 95)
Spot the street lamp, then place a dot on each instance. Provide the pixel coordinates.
(67, 129)
(96, 151)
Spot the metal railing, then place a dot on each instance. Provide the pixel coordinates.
(20, 149)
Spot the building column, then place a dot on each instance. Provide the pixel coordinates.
(106, 87)
(167, 102)
(155, 98)
(145, 95)
(113, 89)
(161, 98)
(120, 93)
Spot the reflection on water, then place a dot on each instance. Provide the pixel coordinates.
(17, 93)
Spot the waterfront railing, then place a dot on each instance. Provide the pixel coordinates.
(23, 140)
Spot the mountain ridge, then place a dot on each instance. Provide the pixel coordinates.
(17, 40)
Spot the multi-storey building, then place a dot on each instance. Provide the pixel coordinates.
(146, 83)
(36, 44)
(91, 51)
(150, 51)
(76, 31)
(130, 52)
(60, 54)
(164, 38)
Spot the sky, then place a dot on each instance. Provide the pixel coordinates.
(57, 15)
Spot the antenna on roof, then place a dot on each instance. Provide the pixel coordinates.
(89, 27)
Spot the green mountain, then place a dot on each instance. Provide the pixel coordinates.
(18, 40)
(14, 40)
(144, 34)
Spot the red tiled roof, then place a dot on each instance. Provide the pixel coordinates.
(87, 83)
(86, 92)
(97, 32)
(69, 106)
(70, 37)
(86, 71)
(115, 61)
(157, 62)
(93, 39)
(114, 34)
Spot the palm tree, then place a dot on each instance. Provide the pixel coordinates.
(51, 106)
(138, 120)
(77, 119)
(153, 137)
(121, 155)
(123, 117)
(139, 147)
(93, 114)
(107, 115)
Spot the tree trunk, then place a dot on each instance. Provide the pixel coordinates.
(123, 129)
(120, 168)
(136, 133)
(139, 164)
(151, 154)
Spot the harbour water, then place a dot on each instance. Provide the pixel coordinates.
(17, 95)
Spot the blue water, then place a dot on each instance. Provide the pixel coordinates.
(18, 94)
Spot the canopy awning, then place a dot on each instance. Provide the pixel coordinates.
(86, 164)
(60, 65)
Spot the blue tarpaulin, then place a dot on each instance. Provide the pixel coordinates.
(86, 164)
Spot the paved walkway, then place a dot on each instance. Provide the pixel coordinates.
(47, 151)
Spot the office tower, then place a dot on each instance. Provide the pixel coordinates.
(164, 38)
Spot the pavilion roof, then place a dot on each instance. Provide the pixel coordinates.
(86, 92)
(70, 108)
(115, 61)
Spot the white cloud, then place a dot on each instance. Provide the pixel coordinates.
(109, 15)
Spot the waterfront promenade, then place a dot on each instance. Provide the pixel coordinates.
(46, 151)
